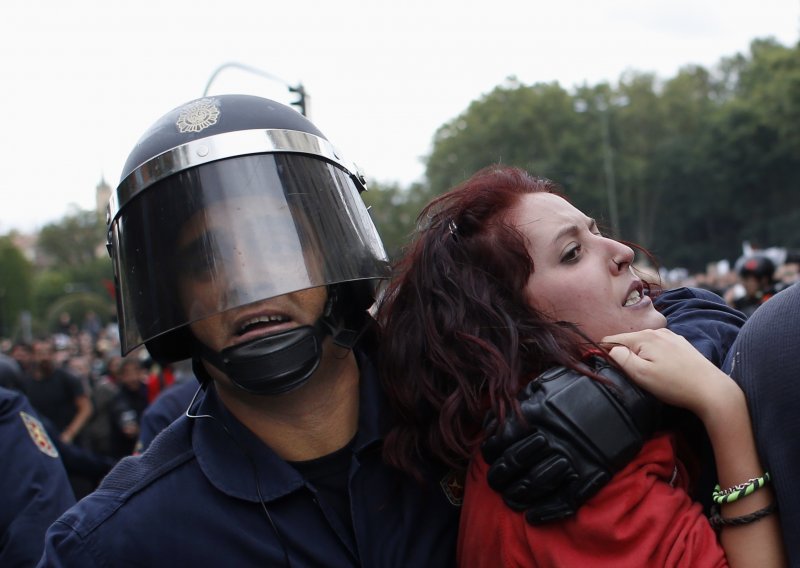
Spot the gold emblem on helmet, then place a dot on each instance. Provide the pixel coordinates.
(198, 116)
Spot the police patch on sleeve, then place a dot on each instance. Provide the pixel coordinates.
(39, 435)
(453, 487)
(198, 116)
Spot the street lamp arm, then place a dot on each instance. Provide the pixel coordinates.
(244, 67)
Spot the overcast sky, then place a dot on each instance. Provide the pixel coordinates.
(82, 80)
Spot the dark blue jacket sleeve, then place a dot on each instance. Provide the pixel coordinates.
(764, 362)
(33, 483)
(703, 318)
(163, 411)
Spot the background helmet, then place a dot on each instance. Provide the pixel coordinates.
(242, 192)
(757, 265)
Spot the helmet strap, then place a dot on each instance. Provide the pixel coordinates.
(279, 363)
(270, 365)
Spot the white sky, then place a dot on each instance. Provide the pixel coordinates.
(81, 80)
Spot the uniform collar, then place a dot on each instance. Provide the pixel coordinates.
(372, 406)
(232, 457)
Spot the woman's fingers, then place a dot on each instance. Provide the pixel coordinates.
(668, 366)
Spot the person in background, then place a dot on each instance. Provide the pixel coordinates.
(757, 276)
(33, 482)
(126, 408)
(56, 393)
(168, 406)
(97, 432)
(22, 353)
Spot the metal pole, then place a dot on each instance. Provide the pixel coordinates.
(301, 102)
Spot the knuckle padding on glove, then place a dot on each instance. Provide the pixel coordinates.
(549, 475)
(579, 432)
(605, 422)
(517, 459)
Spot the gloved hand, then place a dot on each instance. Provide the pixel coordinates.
(578, 433)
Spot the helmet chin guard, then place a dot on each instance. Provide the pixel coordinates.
(282, 362)
(270, 365)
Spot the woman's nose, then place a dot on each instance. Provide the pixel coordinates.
(622, 257)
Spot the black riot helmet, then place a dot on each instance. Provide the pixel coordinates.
(247, 194)
(759, 266)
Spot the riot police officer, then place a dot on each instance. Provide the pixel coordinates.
(239, 239)
(757, 274)
(33, 481)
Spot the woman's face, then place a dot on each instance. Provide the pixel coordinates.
(579, 275)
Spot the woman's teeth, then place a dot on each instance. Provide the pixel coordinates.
(633, 298)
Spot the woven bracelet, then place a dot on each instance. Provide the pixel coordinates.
(718, 522)
(722, 496)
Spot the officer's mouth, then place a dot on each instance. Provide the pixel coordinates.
(261, 325)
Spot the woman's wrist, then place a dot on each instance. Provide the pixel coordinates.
(724, 404)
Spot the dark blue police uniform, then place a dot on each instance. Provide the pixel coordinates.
(703, 318)
(208, 492)
(34, 489)
(765, 363)
(163, 411)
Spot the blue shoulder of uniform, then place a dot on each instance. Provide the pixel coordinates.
(703, 318)
(11, 400)
(131, 476)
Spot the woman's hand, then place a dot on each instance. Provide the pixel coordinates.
(667, 365)
(671, 369)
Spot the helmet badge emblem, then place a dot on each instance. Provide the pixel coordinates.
(198, 116)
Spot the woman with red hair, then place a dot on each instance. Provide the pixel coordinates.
(505, 280)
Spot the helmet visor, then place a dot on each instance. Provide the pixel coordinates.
(236, 231)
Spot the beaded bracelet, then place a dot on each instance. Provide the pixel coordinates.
(722, 496)
(718, 522)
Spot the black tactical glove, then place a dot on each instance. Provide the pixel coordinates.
(579, 433)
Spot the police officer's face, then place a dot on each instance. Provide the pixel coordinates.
(752, 285)
(220, 266)
(240, 250)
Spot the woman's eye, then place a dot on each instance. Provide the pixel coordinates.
(571, 254)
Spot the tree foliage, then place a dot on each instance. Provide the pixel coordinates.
(696, 164)
(75, 264)
(16, 277)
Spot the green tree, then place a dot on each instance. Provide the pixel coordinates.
(535, 128)
(689, 227)
(695, 164)
(74, 240)
(16, 278)
(76, 262)
(757, 146)
(394, 210)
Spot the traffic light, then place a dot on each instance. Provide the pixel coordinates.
(300, 103)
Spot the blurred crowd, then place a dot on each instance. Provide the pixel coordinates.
(751, 281)
(89, 397)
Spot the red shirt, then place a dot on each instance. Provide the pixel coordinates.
(642, 518)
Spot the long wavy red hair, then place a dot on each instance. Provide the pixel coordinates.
(459, 336)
